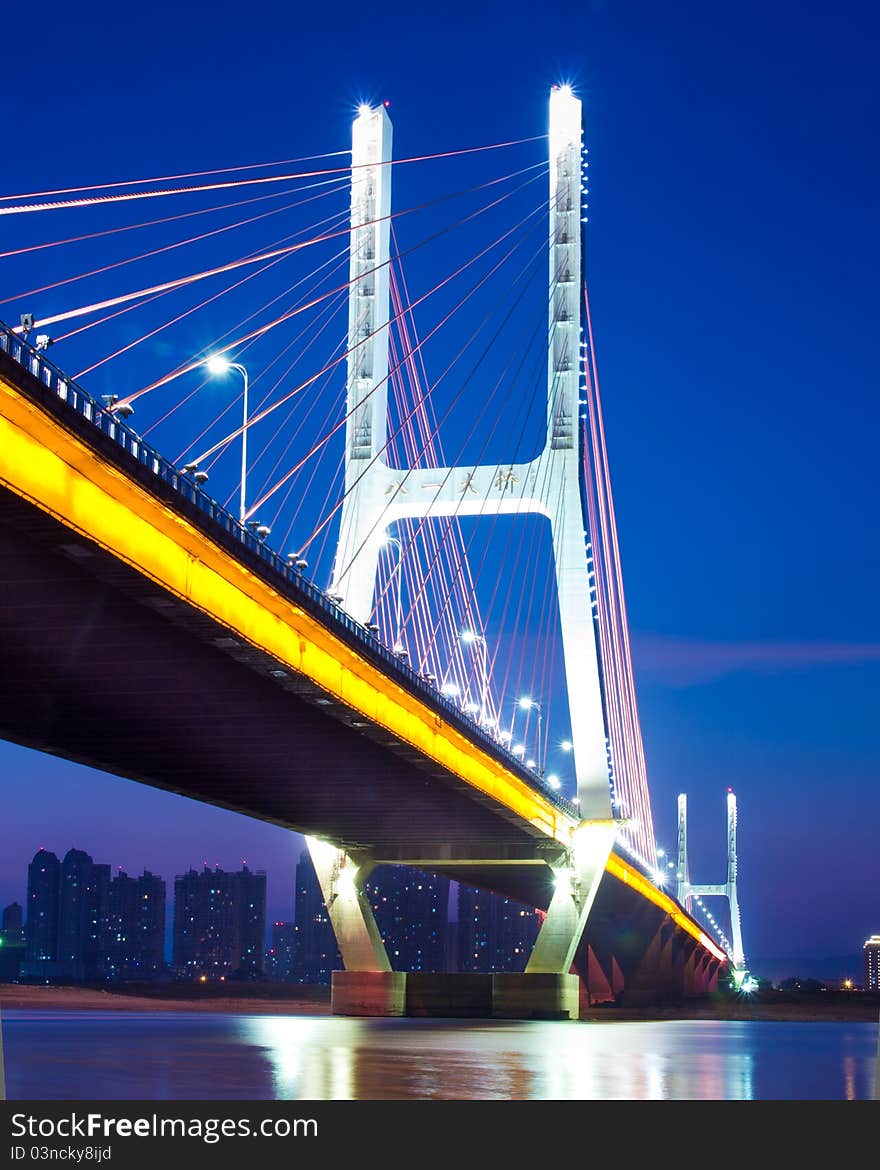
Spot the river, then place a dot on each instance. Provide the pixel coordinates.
(66, 1055)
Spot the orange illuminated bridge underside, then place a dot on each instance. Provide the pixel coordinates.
(55, 471)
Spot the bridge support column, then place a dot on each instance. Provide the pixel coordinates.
(367, 986)
(696, 975)
(548, 987)
(599, 975)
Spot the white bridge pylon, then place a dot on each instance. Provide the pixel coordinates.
(686, 890)
(378, 496)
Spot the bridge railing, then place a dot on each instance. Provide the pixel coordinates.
(103, 419)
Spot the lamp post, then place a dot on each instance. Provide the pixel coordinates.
(398, 572)
(510, 730)
(217, 364)
(529, 704)
(469, 638)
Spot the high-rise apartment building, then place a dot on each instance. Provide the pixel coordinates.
(11, 942)
(219, 924)
(494, 933)
(411, 909)
(135, 942)
(41, 924)
(12, 930)
(316, 955)
(280, 959)
(252, 893)
(83, 927)
(871, 954)
(83, 915)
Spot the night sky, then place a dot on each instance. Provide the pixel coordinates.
(732, 259)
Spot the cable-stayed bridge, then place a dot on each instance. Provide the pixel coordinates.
(458, 693)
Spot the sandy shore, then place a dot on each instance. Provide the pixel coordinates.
(833, 1007)
(85, 999)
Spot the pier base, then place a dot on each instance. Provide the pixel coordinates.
(535, 996)
(368, 993)
(465, 996)
(505, 996)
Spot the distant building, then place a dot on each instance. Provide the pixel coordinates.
(280, 959)
(135, 937)
(871, 953)
(411, 909)
(41, 924)
(494, 933)
(11, 943)
(82, 926)
(149, 950)
(219, 924)
(252, 892)
(316, 955)
(12, 930)
(83, 915)
(411, 912)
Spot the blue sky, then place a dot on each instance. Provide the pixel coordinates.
(732, 254)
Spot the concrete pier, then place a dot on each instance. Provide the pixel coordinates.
(508, 996)
(535, 996)
(462, 996)
(368, 993)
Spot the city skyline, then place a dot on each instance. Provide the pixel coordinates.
(478, 924)
(79, 924)
(730, 259)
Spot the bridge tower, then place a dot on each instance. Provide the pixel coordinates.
(360, 532)
(551, 485)
(686, 889)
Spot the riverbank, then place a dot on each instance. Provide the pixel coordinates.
(296, 999)
(307, 1000)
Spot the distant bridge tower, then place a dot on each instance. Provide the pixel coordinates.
(686, 888)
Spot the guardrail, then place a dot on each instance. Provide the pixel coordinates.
(104, 420)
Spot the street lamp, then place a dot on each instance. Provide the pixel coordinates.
(398, 572)
(529, 704)
(468, 638)
(217, 364)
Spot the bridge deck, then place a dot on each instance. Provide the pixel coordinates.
(145, 633)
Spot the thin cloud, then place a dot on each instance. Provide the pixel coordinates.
(683, 661)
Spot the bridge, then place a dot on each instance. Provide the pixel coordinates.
(151, 632)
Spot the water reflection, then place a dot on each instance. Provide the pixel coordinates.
(58, 1055)
(416, 1059)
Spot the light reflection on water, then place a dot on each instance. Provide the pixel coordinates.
(198, 1056)
(352, 1060)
